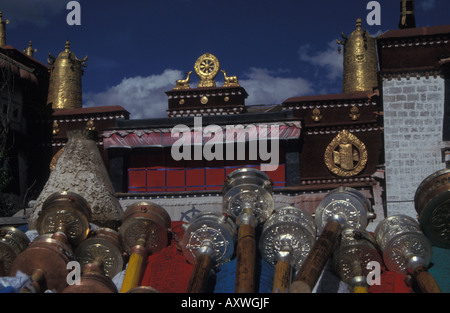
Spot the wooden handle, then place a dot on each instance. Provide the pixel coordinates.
(312, 267)
(200, 273)
(245, 260)
(282, 277)
(426, 281)
(133, 275)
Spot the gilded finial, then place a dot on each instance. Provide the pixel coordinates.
(66, 72)
(3, 24)
(29, 50)
(407, 14)
(360, 60)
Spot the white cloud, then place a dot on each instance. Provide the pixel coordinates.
(427, 5)
(329, 59)
(35, 12)
(143, 97)
(264, 87)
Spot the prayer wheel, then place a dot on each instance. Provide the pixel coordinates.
(66, 213)
(432, 203)
(356, 249)
(64, 220)
(247, 198)
(45, 261)
(102, 247)
(406, 250)
(12, 242)
(144, 230)
(341, 207)
(286, 239)
(93, 280)
(208, 243)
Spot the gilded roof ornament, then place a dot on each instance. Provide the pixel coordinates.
(346, 155)
(407, 15)
(230, 81)
(66, 72)
(360, 60)
(3, 24)
(29, 50)
(207, 67)
(182, 84)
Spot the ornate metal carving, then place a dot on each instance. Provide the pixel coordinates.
(403, 245)
(66, 70)
(248, 189)
(102, 247)
(356, 249)
(12, 243)
(207, 67)
(347, 205)
(316, 115)
(230, 81)
(212, 230)
(360, 61)
(432, 203)
(346, 155)
(288, 229)
(354, 113)
(65, 212)
(147, 221)
(183, 84)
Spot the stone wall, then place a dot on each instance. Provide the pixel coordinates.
(413, 125)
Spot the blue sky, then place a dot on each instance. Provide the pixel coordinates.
(137, 49)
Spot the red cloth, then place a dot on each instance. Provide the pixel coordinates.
(391, 283)
(168, 271)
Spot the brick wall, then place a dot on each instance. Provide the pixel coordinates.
(413, 124)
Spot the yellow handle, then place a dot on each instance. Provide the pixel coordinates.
(360, 289)
(133, 275)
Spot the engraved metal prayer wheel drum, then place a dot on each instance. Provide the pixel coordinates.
(247, 198)
(286, 240)
(45, 260)
(356, 248)
(248, 190)
(67, 213)
(406, 249)
(347, 206)
(208, 242)
(102, 247)
(432, 203)
(144, 230)
(92, 280)
(341, 207)
(12, 242)
(63, 221)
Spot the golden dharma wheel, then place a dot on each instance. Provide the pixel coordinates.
(67, 213)
(432, 203)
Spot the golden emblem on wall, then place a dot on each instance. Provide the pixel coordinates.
(346, 155)
(207, 67)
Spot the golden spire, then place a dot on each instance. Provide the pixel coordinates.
(360, 61)
(29, 50)
(3, 30)
(66, 70)
(407, 15)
